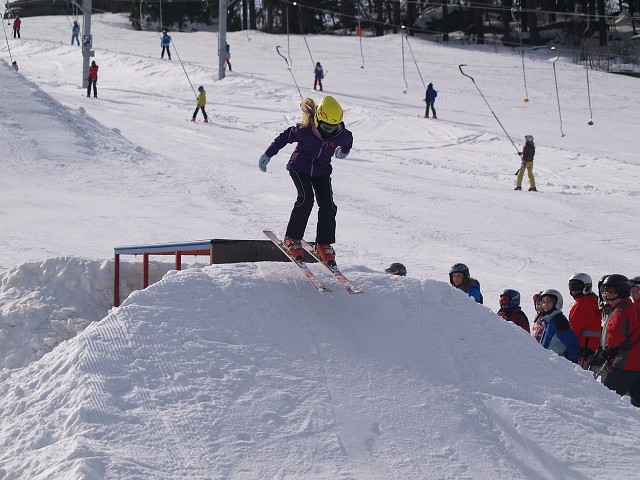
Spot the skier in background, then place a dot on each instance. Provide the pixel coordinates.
(14, 64)
(527, 154)
(75, 32)
(165, 41)
(318, 74)
(319, 136)
(201, 103)
(93, 79)
(459, 277)
(16, 27)
(227, 57)
(430, 98)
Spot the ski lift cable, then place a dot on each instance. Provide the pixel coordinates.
(289, 68)
(485, 101)
(175, 50)
(415, 61)
(555, 77)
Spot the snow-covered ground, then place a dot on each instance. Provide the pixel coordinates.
(243, 371)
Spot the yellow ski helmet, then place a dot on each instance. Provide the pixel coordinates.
(329, 111)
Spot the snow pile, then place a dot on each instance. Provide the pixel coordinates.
(45, 303)
(246, 372)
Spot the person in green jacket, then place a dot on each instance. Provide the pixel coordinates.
(202, 101)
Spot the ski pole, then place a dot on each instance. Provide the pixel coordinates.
(290, 71)
(599, 372)
(485, 101)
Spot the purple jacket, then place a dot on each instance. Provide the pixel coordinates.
(312, 155)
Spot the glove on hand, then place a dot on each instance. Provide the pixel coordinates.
(520, 153)
(602, 356)
(340, 154)
(262, 163)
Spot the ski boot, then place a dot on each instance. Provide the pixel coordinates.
(326, 253)
(294, 247)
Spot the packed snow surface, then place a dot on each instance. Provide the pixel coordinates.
(244, 371)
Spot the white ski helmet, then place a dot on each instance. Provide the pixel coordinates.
(553, 293)
(528, 138)
(580, 283)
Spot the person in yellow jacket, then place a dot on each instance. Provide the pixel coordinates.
(202, 101)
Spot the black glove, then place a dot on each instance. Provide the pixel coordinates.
(520, 153)
(602, 356)
(596, 359)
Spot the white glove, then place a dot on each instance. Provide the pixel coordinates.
(340, 154)
(262, 163)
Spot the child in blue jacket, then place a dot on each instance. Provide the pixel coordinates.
(430, 98)
(318, 73)
(558, 335)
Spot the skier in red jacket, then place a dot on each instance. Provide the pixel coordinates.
(620, 344)
(93, 79)
(584, 316)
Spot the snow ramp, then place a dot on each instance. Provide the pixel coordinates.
(244, 371)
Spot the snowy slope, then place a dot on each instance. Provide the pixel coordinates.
(209, 373)
(245, 372)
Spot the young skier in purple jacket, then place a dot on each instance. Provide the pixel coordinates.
(319, 136)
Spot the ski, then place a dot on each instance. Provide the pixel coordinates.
(319, 286)
(344, 281)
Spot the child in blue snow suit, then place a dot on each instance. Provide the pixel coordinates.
(430, 98)
(557, 335)
(165, 41)
(318, 73)
(75, 32)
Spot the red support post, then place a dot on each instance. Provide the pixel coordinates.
(178, 261)
(116, 281)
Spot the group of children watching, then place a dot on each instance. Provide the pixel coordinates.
(602, 332)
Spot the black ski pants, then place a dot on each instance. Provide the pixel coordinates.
(623, 382)
(95, 88)
(308, 187)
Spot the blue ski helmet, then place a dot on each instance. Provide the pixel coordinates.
(511, 299)
(200, 88)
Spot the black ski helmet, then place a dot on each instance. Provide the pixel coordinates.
(620, 283)
(200, 88)
(396, 269)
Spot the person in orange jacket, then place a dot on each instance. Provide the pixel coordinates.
(93, 79)
(584, 316)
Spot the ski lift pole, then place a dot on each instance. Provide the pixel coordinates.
(586, 69)
(360, 36)
(7, 40)
(524, 73)
(415, 61)
(555, 77)
(404, 75)
(485, 101)
(289, 68)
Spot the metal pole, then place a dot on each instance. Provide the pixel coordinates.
(87, 41)
(222, 38)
